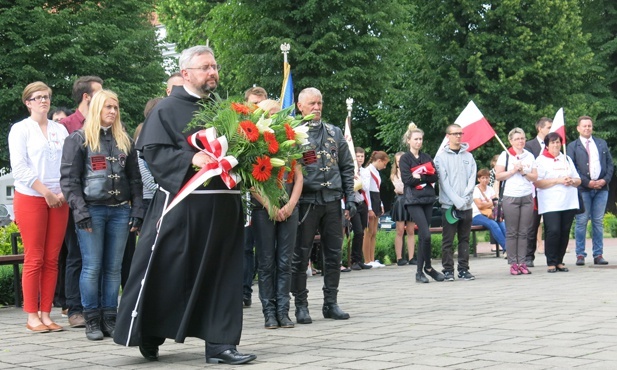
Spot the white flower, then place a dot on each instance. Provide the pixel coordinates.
(301, 134)
(264, 124)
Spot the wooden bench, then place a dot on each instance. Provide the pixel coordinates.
(473, 243)
(14, 259)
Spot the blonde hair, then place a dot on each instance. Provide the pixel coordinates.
(411, 129)
(32, 88)
(92, 125)
(514, 131)
(394, 170)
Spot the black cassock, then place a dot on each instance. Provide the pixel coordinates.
(193, 285)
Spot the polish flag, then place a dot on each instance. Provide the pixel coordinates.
(559, 126)
(476, 129)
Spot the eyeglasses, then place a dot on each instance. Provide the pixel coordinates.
(206, 68)
(40, 98)
(456, 133)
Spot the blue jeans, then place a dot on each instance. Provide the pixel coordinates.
(497, 229)
(595, 205)
(101, 253)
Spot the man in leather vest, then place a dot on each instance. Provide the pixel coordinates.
(329, 177)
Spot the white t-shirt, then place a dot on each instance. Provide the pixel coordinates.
(35, 157)
(490, 194)
(558, 197)
(517, 185)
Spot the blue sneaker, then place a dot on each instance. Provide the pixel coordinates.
(466, 275)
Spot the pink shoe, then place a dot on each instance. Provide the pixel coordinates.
(514, 270)
(523, 269)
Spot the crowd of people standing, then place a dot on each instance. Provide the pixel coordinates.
(84, 183)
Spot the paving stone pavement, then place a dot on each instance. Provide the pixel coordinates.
(541, 321)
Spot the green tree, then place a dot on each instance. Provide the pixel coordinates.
(518, 60)
(344, 48)
(57, 41)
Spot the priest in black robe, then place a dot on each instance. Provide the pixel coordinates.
(192, 270)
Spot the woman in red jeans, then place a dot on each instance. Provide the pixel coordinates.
(41, 212)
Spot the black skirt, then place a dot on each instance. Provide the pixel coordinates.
(399, 212)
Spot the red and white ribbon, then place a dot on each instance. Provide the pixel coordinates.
(216, 147)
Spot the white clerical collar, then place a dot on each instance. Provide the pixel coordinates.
(190, 92)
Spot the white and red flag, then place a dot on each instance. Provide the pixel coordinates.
(476, 129)
(559, 126)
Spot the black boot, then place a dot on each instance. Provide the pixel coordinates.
(93, 324)
(333, 311)
(271, 322)
(284, 320)
(108, 323)
(302, 315)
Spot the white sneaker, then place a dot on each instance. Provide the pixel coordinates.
(379, 264)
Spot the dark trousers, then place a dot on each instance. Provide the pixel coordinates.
(60, 295)
(129, 250)
(327, 219)
(532, 236)
(73, 268)
(557, 227)
(212, 349)
(421, 215)
(249, 262)
(462, 228)
(275, 242)
(359, 222)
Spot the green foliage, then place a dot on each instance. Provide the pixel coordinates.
(345, 49)
(58, 41)
(5, 240)
(517, 60)
(7, 292)
(610, 224)
(384, 247)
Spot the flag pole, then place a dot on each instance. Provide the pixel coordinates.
(285, 47)
(501, 142)
(349, 102)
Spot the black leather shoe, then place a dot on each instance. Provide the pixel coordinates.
(333, 311)
(364, 266)
(150, 352)
(285, 321)
(302, 315)
(271, 323)
(421, 278)
(413, 261)
(247, 301)
(529, 263)
(230, 357)
(599, 260)
(438, 276)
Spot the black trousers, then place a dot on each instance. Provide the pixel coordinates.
(557, 227)
(359, 222)
(327, 219)
(73, 268)
(462, 228)
(532, 236)
(421, 215)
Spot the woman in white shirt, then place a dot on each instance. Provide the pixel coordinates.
(557, 199)
(483, 196)
(517, 168)
(41, 212)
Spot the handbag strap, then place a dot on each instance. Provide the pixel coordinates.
(484, 195)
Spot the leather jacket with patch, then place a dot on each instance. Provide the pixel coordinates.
(106, 177)
(328, 165)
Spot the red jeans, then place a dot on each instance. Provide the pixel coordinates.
(42, 231)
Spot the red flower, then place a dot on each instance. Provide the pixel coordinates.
(240, 108)
(290, 177)
(279, 177)
(273, 145)
(291, 135)
(262, 170)
(249, 129)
